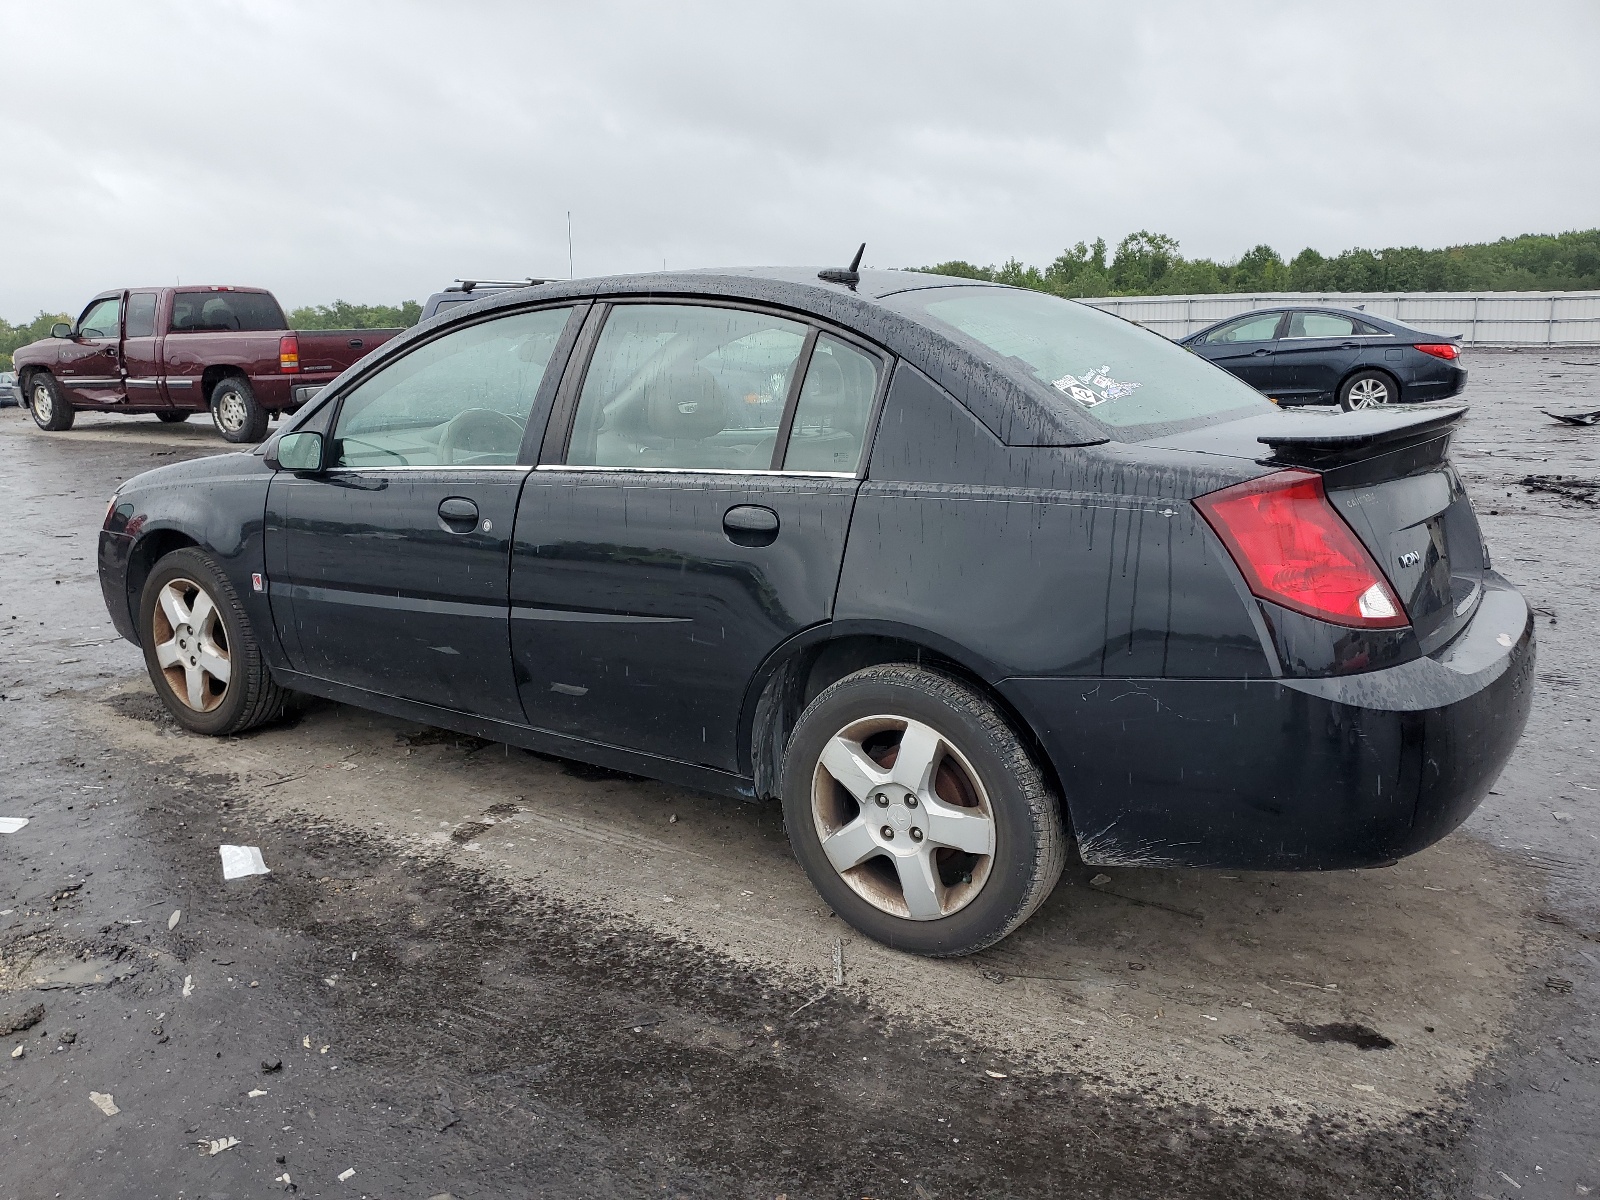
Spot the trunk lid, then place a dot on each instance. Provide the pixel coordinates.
(1387, 473)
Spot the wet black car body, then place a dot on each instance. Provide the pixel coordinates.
(975, 519)
(1318, 355)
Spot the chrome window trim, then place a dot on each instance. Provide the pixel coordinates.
(696, 471)
(338, 467)
(1349, 337)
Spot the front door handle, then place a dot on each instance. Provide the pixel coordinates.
(1262, 352)
(109, 352)
(750, 525)
(459, 514)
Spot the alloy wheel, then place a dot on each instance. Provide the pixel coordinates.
(1368, 393)
(192, 645)
(903, 817)
(231, 414)
(44, 404)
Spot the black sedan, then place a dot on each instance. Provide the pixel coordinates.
(1333, 355)
(961, 574)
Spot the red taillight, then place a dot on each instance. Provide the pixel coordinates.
(1444, 350)
(289, 354)
(1295, 550)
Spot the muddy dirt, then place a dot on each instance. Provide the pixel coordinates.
(476, 971)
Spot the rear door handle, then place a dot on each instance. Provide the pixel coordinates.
(355, 343)
(459, 514)
(750, 525)
(109, 352)
(1261, 353)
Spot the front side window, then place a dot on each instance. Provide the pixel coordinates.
(1248, 329)
(830, 420)
(101, 319)
(686, 387)
(225, 312)
(141, 314)
(1113, 371)
(460, 400)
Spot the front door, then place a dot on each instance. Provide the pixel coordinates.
(388, 570)
(694, 520)
(89, 365)
(1245, 347)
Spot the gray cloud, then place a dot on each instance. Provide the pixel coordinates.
(372, 152)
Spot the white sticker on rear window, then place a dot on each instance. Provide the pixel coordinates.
(1094, 386)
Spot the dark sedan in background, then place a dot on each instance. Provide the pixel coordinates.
(1304, 355)
(955, 571)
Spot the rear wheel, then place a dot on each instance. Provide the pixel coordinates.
(49, 410)
(172, 418)
(200, 650)
(917, 812)
(235, 412)
(1368, 389)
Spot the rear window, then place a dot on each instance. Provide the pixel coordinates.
(1110, 370)
(225, 312)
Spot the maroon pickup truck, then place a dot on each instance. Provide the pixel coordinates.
(175, 351)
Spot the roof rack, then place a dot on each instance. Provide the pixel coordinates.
(472, 285)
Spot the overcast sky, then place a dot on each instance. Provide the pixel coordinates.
(375, 152)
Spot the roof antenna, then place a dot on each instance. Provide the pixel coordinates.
(849, 276)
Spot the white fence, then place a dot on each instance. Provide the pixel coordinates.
(1478, 318)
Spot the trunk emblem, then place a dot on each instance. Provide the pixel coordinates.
(1410, 558)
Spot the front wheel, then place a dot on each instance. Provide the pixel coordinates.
(200, 650)
(1368, 389)
(49, 410)
(235, 412)
(917, 812)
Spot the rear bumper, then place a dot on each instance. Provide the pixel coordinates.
(1435, 384)
(1289, 773)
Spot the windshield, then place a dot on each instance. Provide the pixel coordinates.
(1111, 370)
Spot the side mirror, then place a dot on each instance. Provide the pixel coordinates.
(300, 452)
(61, 330)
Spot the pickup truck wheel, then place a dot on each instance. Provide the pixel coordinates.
(235, 413)
(49, 410)
(172, 418)
(918, 813)
(200, 649)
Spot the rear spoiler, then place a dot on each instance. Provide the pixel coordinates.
(1329, 440)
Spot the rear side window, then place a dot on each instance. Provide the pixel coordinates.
(830, 420)
(1247, 329)
(101, 319)
(141, 314)
(460, 400)
(686, 387)
(225, 312)
(1319, 325)
(1111, 370)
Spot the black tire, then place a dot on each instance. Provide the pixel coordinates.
(1369, 389)
(44, 395)
(1028, 836)
(249, 696)
(235, 413)
(173, 418)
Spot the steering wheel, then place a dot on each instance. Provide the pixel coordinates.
(475, 431)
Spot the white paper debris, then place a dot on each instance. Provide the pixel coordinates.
(172, 921)
(218, 1145)
(12, 824)
(254, 1092)
(306, 1041)
(188, 985)
(284, 1178)
(104, 1102)
(240, 861)
(17, 1053)
(346, 1173)
(994, 1074)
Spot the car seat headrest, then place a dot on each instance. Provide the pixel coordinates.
(686, 404)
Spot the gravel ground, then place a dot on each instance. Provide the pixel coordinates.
(496, 975)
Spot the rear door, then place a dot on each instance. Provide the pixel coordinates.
(89, 364)
(687, 518)
(1315, 351)
(141, 355)
(388, 570)
(1245, 347)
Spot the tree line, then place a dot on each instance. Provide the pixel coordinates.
(1150, 264)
